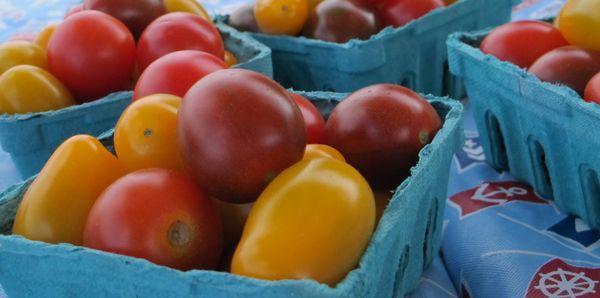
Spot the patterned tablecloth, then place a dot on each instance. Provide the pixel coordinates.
(500, 238)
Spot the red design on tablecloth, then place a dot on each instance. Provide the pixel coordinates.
(559, 279)
(491, 194)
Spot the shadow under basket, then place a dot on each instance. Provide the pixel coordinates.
(407, 238)
(30, 139)
(544, 134)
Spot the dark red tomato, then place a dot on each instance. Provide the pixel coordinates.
(75, 9)
(159, 215)
(398, 13)
(238, 129)
(313, 120)
(592, 90)
(380, 130)
(522, 42)
(340, 21)
(93, 54)
(243, 18)
(369, 3)
(175, 32)
(135, 14)
(570, 66)
(176, 72)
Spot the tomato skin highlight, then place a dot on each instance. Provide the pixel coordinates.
(237, 130)
(178, 31)
(522, 42)
(99, 58)
(159, 215)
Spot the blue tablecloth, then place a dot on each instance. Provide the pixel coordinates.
(500, 239)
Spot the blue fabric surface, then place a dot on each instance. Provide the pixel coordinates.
(500, 239)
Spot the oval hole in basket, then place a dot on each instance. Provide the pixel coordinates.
(402, 265)
(539, 166)
(591, 192)
(499, 156)
(430, 233)
(408, 80)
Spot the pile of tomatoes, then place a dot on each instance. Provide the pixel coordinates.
(238, 175)
(330, 20)
(567, 53)
(101, 47)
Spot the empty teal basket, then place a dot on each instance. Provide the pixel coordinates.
(407, 238)
(30, 139)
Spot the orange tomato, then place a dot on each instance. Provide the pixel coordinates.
(230, 59)
(314, 151)
(281, 16)
(44, 37)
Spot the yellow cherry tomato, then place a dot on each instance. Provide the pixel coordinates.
(55, 207)
(281, 16)
(190, 6)
(230, 59)
(21, 52)
(314, 151)
(314, 221)
(42, 39)
(579, 22)
(28, 89)
(146, 134)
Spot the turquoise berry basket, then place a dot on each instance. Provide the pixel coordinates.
(407, 238)
(31, 138)
(414, 55)
(544, 134)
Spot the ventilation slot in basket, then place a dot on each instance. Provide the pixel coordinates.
(591, 191)
(541, 173)
(408, 80)
(429, 234)
(447, 80)
(499, 157)
(402, 265)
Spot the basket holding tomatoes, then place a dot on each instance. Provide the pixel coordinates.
(330, 20)
(228, 175)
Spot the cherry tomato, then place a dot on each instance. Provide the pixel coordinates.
(43, 38)
(281, 17)
(313, 120)
(313, 221)
(189, 6)
(312, 4)
(340, 21)
(135, 14)
(522, 42)
(314, 151)
(579, 21)
(75, 9)
(570, 66)
(56, 205)
(238, 129)
(230, 59)
(175, 32)
(175, 73)
(592, 90)
(20, 52)
(398, 13)
(383, 140)
(99, 58)
(159, 215)
(29, 89)
(146, 134)
(243, 18)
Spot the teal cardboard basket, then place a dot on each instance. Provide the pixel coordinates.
(544, 134)
(30, 139)
(414, 55)
(407, 238)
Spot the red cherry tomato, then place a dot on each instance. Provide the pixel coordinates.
(238, 129)
(175, 32)
(570, 66)
(522, 42)
(75, 9)
(592, 90)
(380, 130)
(176, 72)
(93, 54)
(159, 215)
(135, 14)
(398, 13)
(313, 120)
